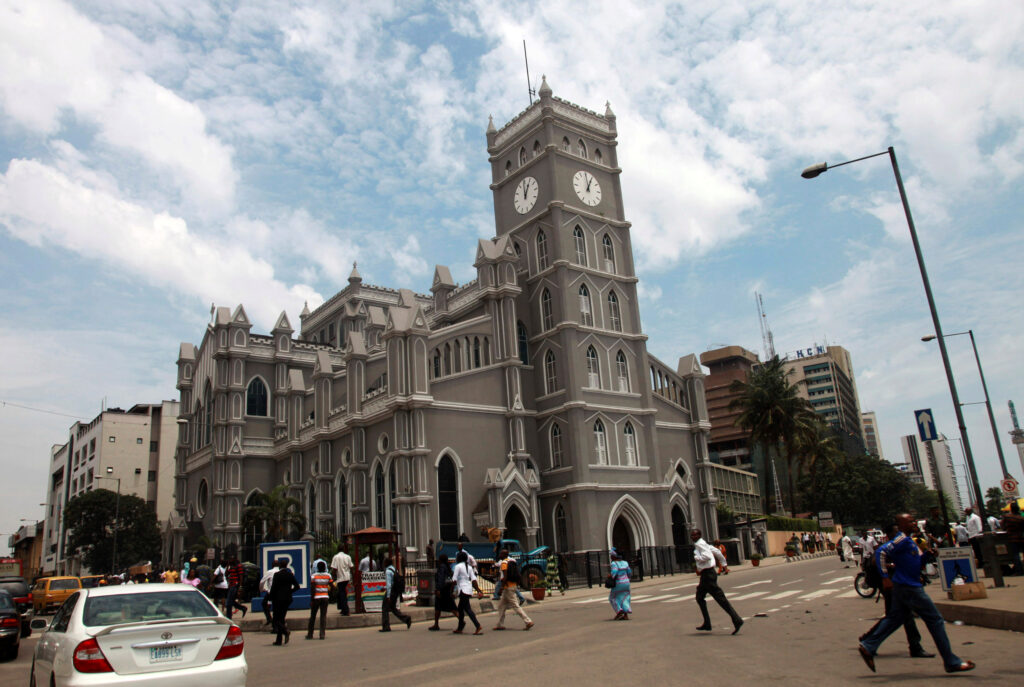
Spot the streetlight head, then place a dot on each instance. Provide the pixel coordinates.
(814, 170)
(181, 421)
(928, 337)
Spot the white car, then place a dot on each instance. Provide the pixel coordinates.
(145, 634)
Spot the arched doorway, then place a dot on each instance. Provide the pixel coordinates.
(680, 533)
(515, 524)
(622, 537)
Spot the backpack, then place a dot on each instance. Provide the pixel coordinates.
(512, 571)
(218, 576)
(397, 583)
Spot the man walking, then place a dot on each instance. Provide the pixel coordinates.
(341, 567)
(908, 596)
(282, 587)
(874, 576)
(235, 573)
(392, 597)
(220, 585)
(320, 587)
(509, 588)
(846, 544)
(707, 557)
(974, 534)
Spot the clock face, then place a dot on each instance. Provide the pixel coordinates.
(526, 195)
(586, 187)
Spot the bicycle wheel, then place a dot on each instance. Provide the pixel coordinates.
(860, 583)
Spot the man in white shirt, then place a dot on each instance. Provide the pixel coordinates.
(974, 532)
(868, 546)
(708, 558)
(961, 534)
(367, 564)
(993, 523)
(265, 582)
(341, 568)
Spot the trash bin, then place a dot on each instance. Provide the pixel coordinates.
(424, 587)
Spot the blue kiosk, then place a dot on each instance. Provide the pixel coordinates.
(299, 555)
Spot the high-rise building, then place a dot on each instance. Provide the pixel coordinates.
(872, 439)
(824, 376)
(525, 399)
(131, 452)
(935, 471)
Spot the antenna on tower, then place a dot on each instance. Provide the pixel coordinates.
(529, 89)
(767, 339)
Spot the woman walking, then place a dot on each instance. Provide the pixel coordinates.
(444, 599)
(465, 580)
(618, 597)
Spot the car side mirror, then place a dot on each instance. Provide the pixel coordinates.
(39, 623)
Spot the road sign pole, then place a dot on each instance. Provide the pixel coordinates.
(938, 488)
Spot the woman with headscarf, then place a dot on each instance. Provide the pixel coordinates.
(444, 599)
(618, 597)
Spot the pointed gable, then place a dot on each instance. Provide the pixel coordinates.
(355, 344)
(323, 365)
(239, 316)
(689, 366)
(186, 351)
(442, 278)
(282, 324)
(296, 381)
(223, 316)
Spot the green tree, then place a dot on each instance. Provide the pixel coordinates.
(814, 444)
(921, 500)
(770, 408)
(993, 500)
(91, 523)
(280, 513)
(859, 490)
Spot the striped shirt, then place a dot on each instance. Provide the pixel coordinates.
(320, 585)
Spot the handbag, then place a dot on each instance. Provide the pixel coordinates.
(609, 582)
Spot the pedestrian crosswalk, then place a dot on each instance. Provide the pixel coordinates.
(751, 594)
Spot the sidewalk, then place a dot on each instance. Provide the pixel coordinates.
(1002, 610)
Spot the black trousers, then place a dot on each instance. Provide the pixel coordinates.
(909, 626)
(343, 597)
(976, 545)
(709, 585)
(279, 611)
(390, 606)
(232, 602)
(317, 606)
(466, 610)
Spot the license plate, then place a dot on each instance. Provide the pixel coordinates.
(164, 653)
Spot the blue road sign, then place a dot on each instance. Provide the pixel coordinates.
(925, 422)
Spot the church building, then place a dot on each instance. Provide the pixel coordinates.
(524, 399)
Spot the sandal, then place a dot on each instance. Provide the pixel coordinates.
(479, 631)
(962, 668)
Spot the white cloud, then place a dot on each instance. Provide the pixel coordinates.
(58, 68)
(40, 204)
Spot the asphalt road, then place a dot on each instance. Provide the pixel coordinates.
(807, 635)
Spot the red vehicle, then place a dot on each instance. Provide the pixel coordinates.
(14, 584)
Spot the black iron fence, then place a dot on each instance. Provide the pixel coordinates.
(591, 567)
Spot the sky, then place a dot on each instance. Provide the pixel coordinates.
(157, 158)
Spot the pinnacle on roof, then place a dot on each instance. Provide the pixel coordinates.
(490, 125)
(608, 110)
(305, 309)
(354, 278)
(544, 88)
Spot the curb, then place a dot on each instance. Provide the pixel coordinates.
(298, 620)
(809, 556)
(995, 618)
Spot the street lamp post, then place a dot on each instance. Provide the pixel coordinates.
(988, 402)
(991, 565)
(117, 515)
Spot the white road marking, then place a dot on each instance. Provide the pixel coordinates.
(815, 595)
(638, 597)
(653, 598)
(844, 578)
(682, 586)
(770, 610)
(793, 582)
(830, 572)
(848, 595)
(590, 601)
(678, 599)
(751, 595)
(782, 595)
(742, 586)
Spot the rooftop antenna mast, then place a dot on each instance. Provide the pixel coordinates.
(767, 340)
(529, 89)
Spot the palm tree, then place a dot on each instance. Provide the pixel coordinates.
(278, 512)
(813, 445)
(769, 408)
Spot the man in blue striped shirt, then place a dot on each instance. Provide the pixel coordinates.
(900, 567)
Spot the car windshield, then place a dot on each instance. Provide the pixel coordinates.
(6, 603)
(133, 608)
(15, 587)
(63, 585)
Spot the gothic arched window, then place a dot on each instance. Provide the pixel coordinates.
(597, 156)
(342, 497)
(508, 167)
(536, 148)
(581, 246)
(623, 369)
(566, 146)
(542, 251)
(581, 148)
(556, 446)
(561, 529)
(586, 313)
(524, 344)
(437, 363)
(550, 373)
(609, 254)
(614, 316)
(476, 351)
(547, 318)
(600, 443)
(256, 398)
(593, 369)
(208, 420)
(380, 497)
(392, 494)
(629, 439)
(447, 499)
(522, 155)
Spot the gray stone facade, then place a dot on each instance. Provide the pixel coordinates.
(524, 399)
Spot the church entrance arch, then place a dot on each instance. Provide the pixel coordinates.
(515, 524)
(629, 528)
(622, 537)
(680, 534)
